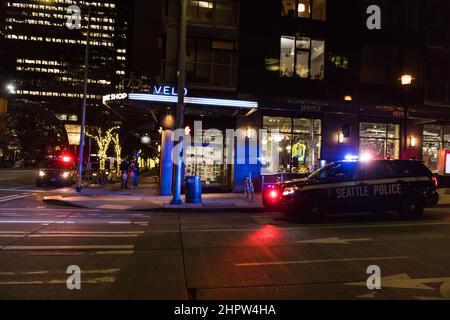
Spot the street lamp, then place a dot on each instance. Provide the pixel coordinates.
(406, 81)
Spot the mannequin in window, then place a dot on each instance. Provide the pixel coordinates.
(298, 153)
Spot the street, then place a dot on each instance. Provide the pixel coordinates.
(210, 255)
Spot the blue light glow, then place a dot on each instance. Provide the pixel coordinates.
(191, 100)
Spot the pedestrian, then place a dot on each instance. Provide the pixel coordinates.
(134, 174)
(248, 188)
(124, 168)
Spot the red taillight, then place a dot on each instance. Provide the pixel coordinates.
(274, 194)
(435, 180)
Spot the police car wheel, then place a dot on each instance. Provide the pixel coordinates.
(412, 208)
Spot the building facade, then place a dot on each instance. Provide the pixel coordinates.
(326, 85)
(45, 58)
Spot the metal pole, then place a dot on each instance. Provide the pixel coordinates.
(313, 145)
(405, 122)
(83, 111)
(176, 192)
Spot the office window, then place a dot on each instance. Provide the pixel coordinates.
(211, 62)
(304, 8)
(287, 56)
(213, 12)
(308, 9)
(304, 55)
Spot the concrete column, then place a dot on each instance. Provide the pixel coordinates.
(165, 173)
(252, 165)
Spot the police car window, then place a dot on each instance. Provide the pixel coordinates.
(411, 169)
(376, 170)
(335, 171)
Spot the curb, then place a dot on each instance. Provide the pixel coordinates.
(199, 210)
(164, 209)
(63, 203)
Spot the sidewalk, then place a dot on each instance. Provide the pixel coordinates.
(146, 198)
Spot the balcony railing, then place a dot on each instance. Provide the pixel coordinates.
(437, 93)
(208, 75)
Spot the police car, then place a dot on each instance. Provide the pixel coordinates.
(358, 186)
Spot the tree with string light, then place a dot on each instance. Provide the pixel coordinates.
(117, 150)
(103, 140)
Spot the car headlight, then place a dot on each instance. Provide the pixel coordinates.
(41, 173)
(65, 175)
(290, 190)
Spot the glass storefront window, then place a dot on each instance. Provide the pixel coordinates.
(208, 160)
(435, 138)
(294, 144)
(278, 123)
(380, 140)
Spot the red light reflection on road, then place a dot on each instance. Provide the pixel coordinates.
(268, 234)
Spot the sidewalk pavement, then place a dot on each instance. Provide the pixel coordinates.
(145, 198)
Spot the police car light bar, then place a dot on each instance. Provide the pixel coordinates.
(362, 157)
(192, 100)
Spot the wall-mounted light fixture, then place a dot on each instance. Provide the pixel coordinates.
(412, 141)
(406, 79)
(301, 7)
(249, 133)
(348, 98)
(341, 137)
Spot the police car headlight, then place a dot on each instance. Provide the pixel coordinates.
(41, 173)
(65, 175)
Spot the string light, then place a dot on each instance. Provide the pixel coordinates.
(117, 149)
(103, 141)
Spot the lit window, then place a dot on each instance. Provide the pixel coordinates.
(309, 9)
(304, 55)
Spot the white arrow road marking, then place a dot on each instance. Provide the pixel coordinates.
(404, 281)
(367, 296)
(333, 240)
(276, 263)
(13, 197)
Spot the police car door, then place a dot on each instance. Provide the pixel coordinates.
(378, 182)
(340, 188)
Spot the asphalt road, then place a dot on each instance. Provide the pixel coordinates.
(134, 255)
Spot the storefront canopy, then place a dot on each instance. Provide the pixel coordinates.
(172, 99)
